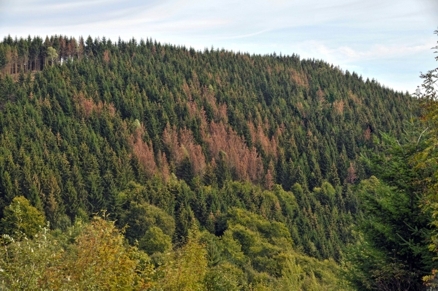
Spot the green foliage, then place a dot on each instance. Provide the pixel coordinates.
(140, 218)
(399, 207)
(264, 254)
(186, 268)
(393, 253)
(23, 263)
(261, 151)
(305, 273)
(99, 260)
(86, 257)
(425, 161)
(155, 240)
(225, 277)
(21, 218)
(95, 256)
(326, 194)
(52, 54)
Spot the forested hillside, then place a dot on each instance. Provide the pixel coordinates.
(252, 159)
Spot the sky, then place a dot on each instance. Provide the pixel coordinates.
(390, 41)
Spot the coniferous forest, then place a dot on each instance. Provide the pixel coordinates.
(134, 165)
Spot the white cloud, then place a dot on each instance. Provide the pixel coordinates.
(350, 33)
(380, 51)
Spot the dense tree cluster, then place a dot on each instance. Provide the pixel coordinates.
(398, 228)
(96, 256)
(261, 154)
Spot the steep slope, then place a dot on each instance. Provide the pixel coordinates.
(117, 126)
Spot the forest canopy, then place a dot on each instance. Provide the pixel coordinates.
(209, 170)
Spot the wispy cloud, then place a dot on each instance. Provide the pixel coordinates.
(352, 33)
(380, 51)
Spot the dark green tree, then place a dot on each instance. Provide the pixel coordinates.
(392, 253)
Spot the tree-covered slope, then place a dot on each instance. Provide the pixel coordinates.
(165, 137)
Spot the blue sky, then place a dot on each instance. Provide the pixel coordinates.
(388, 40)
